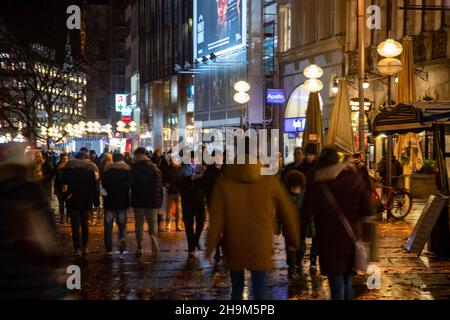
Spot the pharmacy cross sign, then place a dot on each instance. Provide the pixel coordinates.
(121, 102)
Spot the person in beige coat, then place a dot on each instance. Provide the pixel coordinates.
(243, 205)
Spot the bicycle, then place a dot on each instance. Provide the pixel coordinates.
(397, 202)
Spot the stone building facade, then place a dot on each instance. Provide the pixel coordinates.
(324, 32)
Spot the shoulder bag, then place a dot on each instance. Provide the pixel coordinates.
(361, 259)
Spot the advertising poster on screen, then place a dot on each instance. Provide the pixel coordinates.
(220, 27)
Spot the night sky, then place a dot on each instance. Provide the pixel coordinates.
(40, 21)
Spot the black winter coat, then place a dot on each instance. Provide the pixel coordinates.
(82, 191)
(192, 196)
(170, 178)
(58, 184)
(212, 173)
(146, 185)
(116, 181)
(309, 170)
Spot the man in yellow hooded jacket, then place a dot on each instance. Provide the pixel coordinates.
(242, 210)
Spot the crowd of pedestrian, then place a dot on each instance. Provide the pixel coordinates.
(245, 208)
(152, 185)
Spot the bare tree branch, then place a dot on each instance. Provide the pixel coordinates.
(36, 88)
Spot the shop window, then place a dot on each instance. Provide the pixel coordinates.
(295, 108)
(297, 103)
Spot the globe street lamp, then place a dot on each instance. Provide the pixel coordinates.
(241, 97)
(313, 85)
(389, 66)
(313, 72)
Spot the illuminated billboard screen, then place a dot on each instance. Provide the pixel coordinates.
(220, 26)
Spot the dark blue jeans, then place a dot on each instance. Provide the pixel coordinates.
(193, 233)
(121, 221)
(79, 218)
(341, 287)
(259, 284)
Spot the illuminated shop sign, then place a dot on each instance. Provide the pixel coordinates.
(275, 96)
(294, 124)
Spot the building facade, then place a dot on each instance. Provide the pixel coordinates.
(165, 42)
(324, 32)
(252, 59)
(106, 57)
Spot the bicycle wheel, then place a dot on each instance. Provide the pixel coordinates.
(401, 204)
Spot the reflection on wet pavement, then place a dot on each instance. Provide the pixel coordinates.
(171, 275)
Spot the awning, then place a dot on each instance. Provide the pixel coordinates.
(416, 117)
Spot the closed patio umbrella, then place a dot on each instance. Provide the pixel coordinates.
(406, 89)
(407, 149)
(313, 126)
(340, 132)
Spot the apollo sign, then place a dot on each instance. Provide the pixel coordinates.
(275, 96)
(292, 125)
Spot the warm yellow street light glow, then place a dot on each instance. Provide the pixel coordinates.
(313, 85)
(241, 86)
(313, 71)
(389, 48)
(241, 97)
(389, 66)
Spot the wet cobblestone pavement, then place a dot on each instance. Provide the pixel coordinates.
(171, 275)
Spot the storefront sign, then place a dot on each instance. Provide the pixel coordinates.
(275, 96)
(126, 119)
(121, 102)
(294, 124)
